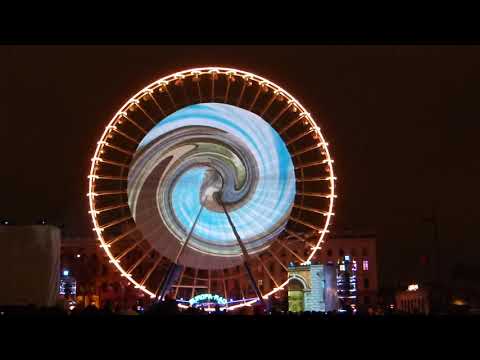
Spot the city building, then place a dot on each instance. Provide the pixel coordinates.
(346, 281)
(361, 251)
(312, 288)
(96, 281)
(414, 300)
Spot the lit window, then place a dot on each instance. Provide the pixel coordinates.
(354, 265)
(365, 265)
(342, 267)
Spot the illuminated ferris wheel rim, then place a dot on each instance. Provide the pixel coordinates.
(196, 72)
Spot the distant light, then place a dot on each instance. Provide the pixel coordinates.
(78, 255)
(72, 307)
(342, 267)
(365, 265)
(413, 287)
(347, 257)
(66, 272)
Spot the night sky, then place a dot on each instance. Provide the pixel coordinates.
(402, 123)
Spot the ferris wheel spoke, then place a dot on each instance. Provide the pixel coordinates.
(108, 177)
(212, 97)
(110, 162)
(157, 104)
(119, 149)
(298, 137)
(299, 237)
(150, 271)
(266, 270)
(252, 104)
(291, 123)
(311, 209)
(108, 192)
(199, 90)
(242, 92)
(278, 259)
(146, 114)
(225, 100)
(134, 123)
(307, 149)
(316, 194)
(129, 249)
(290, 250)
(307, 224)
(170, 97)
(135, 265)
(128, 137)
(313, 163)
(279, 115)
(185, 95)
(115, 222)
(121, 236)
(316, 178)
(270, 102)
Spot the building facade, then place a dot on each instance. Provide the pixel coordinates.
(96, 280)
(359, 248)
(362, 252)
(414, 300)
(312, 288)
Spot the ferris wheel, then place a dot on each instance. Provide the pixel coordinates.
(203, 180)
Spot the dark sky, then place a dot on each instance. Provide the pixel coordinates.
(402, 123)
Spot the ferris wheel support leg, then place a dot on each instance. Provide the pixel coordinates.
(174, 267)
(167, 281)
(245, 254)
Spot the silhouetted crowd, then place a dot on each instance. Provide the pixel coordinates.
(169, 308)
